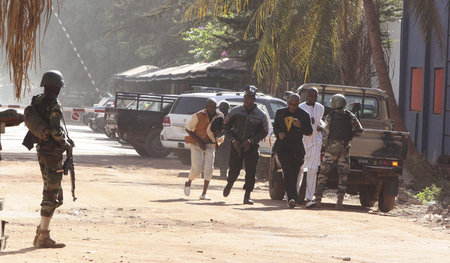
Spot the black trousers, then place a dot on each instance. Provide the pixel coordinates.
(250, 158)
(290, 164)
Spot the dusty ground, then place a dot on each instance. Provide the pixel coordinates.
(131, 209)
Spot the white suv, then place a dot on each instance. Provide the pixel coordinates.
(173, 132)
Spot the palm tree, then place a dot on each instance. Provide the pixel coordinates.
(20, 23)
(302, 38)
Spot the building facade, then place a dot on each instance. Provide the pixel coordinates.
(424, 90)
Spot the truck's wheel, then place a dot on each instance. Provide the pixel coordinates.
(302, 192)
(276, 186)
(140, 151)
(184, 157)
(276, 190)
(366, 195)
(263, 168)
(109, 133)
(92, 125)
(153, 145)
(386, 202)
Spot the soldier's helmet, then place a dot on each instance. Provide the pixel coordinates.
(338, 101)
(52, 78)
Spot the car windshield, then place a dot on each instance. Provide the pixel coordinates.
(188, 105)
(273, 106)
(371, 105)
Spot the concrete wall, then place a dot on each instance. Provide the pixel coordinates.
(425, 127)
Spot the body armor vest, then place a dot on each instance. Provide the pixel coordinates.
(341, 126)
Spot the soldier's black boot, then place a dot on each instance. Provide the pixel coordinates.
(227, 189)
(247, 200)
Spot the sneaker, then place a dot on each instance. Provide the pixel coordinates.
(247, 200)
(310, 204)
(291, 203)
(187, 189)
(205, 197)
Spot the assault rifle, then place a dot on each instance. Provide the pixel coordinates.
(70, 168)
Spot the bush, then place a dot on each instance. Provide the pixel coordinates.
(429, 180)
(429, 194)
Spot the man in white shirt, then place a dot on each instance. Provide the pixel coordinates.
(313, 145)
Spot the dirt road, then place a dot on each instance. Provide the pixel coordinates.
(131, 209)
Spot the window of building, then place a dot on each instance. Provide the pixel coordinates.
(438, 91)
(416, 89)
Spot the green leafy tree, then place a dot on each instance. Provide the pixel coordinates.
(287, 34)
(205, 42)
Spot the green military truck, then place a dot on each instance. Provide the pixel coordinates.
(376, 157)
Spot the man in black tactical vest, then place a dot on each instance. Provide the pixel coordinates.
(50, 153)
(341, 126)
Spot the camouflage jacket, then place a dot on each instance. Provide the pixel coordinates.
(50, 110)
(356, 126)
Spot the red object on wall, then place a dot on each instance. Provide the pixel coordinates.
(438, 91)
(416, 89)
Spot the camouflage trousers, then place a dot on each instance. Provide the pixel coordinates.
(51, 169)
(336, 155)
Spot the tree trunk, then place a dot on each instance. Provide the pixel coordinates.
(382, 69)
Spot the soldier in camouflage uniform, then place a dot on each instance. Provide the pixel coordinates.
(341, 126)
(50, 154)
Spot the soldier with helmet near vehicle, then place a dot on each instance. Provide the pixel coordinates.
(45, 121)
(341, 126)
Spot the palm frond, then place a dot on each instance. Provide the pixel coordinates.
(259, 17)
(427, 16)
(201, 8)
(20, 23)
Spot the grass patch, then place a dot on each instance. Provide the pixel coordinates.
(429, 194)
(429, 180)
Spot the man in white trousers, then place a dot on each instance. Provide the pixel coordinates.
(313, 145)
(202, 145)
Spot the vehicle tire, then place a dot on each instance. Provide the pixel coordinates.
(153, 145)
(184, 157)
(302, 192)
(386, 202)
(276, 190)
(140, 151)
(86, 118)
(366, 195)
(91, 124)
(263, 169)
(110, 134)
(276, 185)
(94, 126)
